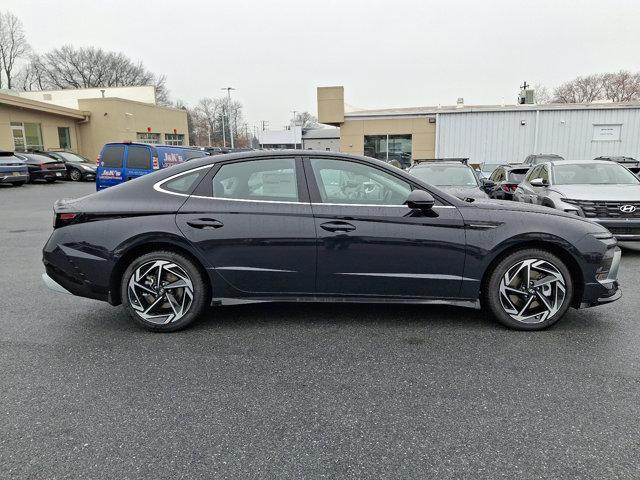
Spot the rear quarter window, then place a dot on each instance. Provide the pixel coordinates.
(112, 156)
(138, 157)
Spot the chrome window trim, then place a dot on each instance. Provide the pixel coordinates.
(158, 185)
(158, 188)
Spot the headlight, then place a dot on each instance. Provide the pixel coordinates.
(572, 211)
(88, 169)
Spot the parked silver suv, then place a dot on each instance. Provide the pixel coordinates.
(600, 190)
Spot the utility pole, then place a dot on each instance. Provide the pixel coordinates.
(295, 112)
(209, 132)
(228, 89)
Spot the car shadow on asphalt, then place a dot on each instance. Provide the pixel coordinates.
(345, 315)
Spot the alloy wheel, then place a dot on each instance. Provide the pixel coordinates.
(160, 292)
(75, 175)
(532, 290)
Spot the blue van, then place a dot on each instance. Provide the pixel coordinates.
(121, 162)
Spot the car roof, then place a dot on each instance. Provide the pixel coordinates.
(579, 162)
(436, 164)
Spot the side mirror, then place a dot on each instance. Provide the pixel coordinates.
(419, 199)
(538, 182)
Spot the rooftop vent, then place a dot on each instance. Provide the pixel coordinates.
(460, 102)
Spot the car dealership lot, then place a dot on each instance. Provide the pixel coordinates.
(292, 391)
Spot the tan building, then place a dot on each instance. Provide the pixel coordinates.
(399, 137)
(27, 124)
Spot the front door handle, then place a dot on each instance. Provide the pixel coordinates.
(337, 227)
(205, 223)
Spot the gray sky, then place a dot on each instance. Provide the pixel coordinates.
(386, 53)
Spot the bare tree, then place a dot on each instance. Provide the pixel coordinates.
(305, 120)
(580, 90)
(13, 45)
(542, 94)
(87, 67)
(622, 86)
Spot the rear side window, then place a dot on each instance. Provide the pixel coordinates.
(273, 179)
(138, 157)
(112, 156)
(184, 183)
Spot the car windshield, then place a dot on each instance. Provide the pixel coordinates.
(593, 174)
(73, 157)
(446, 175)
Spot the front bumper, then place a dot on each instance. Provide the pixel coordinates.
(606, 290)
(53, 285)
(624, 229)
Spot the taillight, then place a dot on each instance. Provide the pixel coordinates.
(64, 219)
(509, 187)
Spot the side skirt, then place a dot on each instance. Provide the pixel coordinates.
(467, 303)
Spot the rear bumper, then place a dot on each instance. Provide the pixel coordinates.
(627, 229)
(4, 178)
(48, 174)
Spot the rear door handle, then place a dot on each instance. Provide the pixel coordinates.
(205, 223)
(337, 227)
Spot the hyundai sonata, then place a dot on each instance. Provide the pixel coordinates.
(315, 226)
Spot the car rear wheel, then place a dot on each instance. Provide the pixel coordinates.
(528, 290)
(75, 175)
(163, 291)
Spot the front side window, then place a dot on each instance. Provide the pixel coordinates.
(533, 173)
(148, 137)
(112, 156)
(544, 174)
(268, 180)
(138, 157)
(341, 181)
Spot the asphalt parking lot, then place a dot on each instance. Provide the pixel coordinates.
(304, 391)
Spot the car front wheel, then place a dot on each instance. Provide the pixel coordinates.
(75, 175)
(528, 290)
(163, 291)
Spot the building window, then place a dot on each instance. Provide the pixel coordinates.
(147, 137)
(174, 139)
(26, 136)
(64, 138)
(389, 148)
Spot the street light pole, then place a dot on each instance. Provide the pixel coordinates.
(228, 89)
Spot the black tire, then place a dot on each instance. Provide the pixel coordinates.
(50, 180)
(200, 292)
(493, 301)
(18, 184)
(75, 175)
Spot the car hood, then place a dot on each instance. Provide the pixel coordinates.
(508, 205)
(599, 192)
(464, 192)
